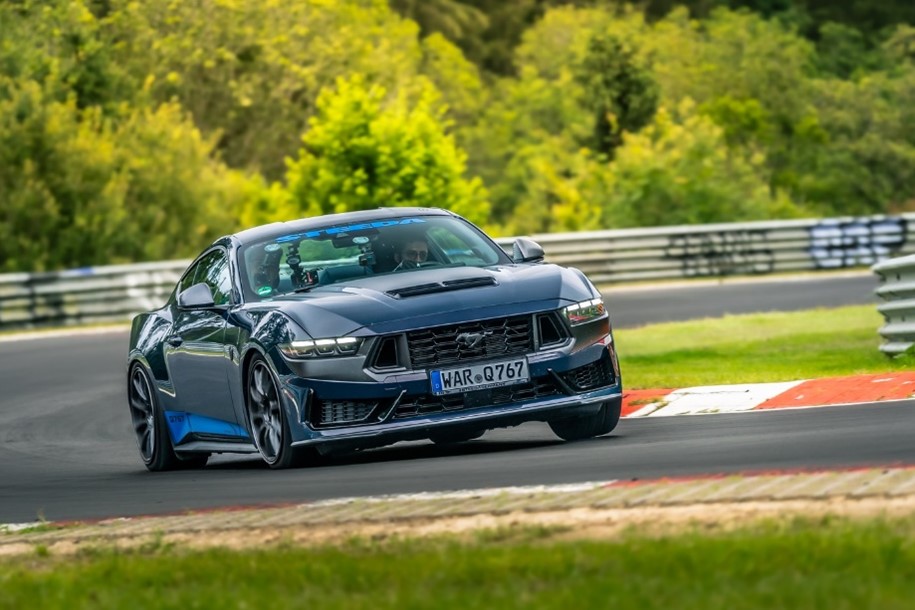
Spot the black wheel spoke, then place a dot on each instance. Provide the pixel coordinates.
(148, 442)
(139, 386)
(142, 413)
(139, 406)
(264, 412)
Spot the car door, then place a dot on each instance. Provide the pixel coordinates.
(196, 354)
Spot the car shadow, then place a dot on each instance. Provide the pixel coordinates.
(414, 450)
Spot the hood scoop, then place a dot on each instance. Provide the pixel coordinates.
(446, 286)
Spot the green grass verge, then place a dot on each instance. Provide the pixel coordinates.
(827, 563)
(755, 348)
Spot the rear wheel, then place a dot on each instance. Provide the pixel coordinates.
(588, 426)
(267, 419)
(149, 426)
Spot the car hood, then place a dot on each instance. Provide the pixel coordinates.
(429, 297)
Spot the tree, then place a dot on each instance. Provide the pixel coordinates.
(365, 149)
(865, 165)
(58, 43)
(80, 189)
(453, 18)
(250, 71)
(680, 171)
(622, 95)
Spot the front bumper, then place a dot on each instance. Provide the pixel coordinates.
(485, 418)
(302, 396)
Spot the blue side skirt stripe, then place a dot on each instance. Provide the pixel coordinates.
(181, 424)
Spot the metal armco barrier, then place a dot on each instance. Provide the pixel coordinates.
(99, 294)
(897, 289)
(85, 296)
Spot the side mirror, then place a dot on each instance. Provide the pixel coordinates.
(198, 296)
(526, 250)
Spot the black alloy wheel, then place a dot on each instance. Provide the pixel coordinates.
(267, 418)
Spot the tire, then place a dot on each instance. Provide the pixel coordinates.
(450, 438)
(267, 418)
(588, 426)
(148, 421)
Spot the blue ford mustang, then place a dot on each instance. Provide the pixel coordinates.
(363, 329)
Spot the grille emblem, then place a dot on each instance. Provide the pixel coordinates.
(471, 340)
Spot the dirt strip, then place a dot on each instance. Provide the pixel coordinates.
(585, 510)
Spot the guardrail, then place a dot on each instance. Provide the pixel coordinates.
(85, 296)
(897, 289)
(101, 294)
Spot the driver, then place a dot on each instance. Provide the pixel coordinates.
(267, 272)
(412, 254)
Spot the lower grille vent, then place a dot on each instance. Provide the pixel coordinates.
(337, 412)
(591, 376)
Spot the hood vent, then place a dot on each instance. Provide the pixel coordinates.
(446, 286)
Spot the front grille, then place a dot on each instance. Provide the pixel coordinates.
(594, 375)
(500, 337)
(541, 387)
(338, 412)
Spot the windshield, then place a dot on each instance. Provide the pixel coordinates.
(303, 261)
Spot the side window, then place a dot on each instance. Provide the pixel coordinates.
(456, 247)
(188, 280)
(214, 270)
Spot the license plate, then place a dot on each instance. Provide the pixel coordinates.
(479, 376)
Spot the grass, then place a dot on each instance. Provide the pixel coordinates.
(753, 348)
(827, 563)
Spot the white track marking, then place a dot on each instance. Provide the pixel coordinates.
(470, 493)
(717, 399)
(10, 528)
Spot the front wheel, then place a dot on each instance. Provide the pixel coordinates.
(267, 419)
(588, 426)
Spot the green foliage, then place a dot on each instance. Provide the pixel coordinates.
(842, 50)
(866, 165)
(679, 171)
(58, 43)
(78, 189)
(118, 116)
(452, 18)
(250, 71)
(458, 80)
(900, 45)
(365, 149)
(621, 94)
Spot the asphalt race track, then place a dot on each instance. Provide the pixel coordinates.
(67, 451)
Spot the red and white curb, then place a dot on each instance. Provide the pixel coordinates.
(829, 391)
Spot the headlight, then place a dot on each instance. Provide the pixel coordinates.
(585, 311)
(320, 348)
